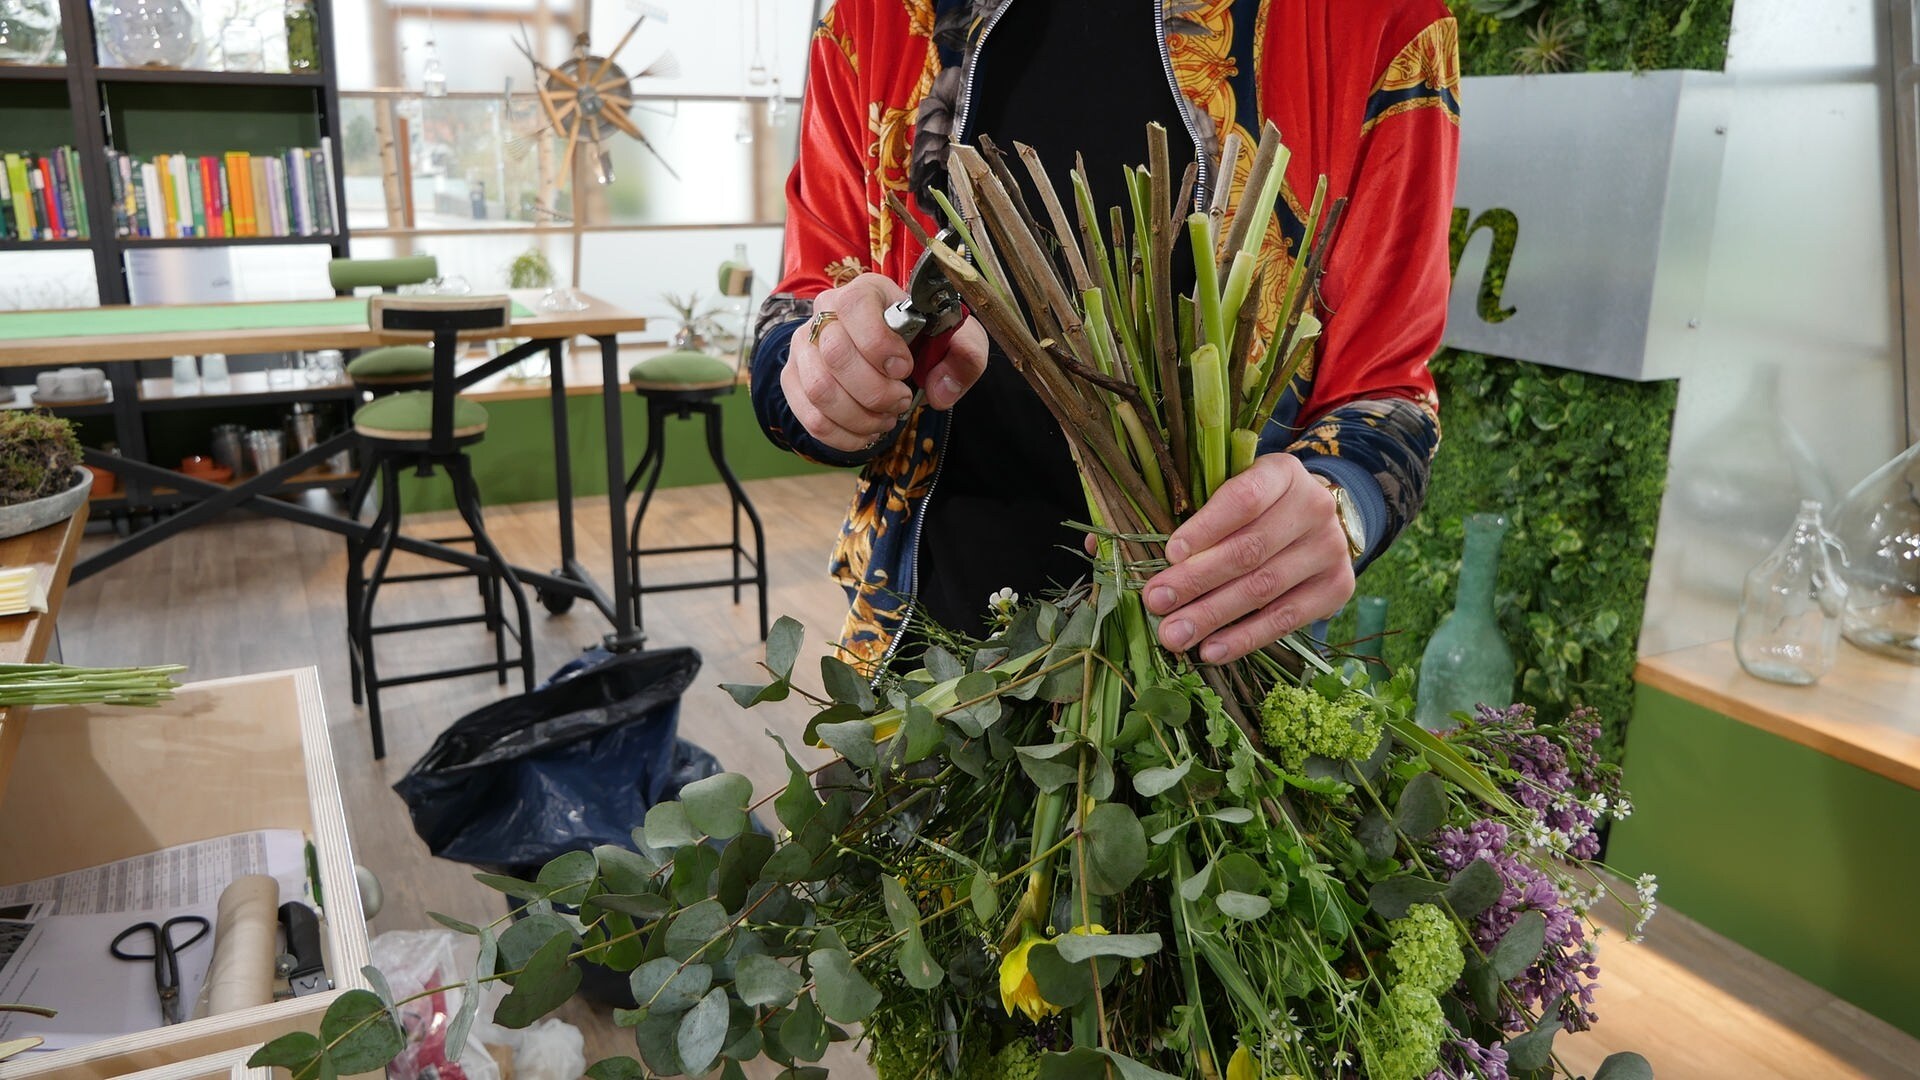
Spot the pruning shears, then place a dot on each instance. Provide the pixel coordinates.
(932, 312)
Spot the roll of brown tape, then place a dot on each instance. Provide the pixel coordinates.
(245, 945)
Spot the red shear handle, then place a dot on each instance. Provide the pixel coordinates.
(928, 352)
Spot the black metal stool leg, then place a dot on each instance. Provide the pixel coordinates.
(390, 516)
(716, 449)
(657, 454)
(357, 551)
(467, 498)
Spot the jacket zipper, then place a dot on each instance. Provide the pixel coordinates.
(1203, 181)
(1203, 175)
(926, 500)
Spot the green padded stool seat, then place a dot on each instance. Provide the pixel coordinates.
(408, 417)
(392, 365)
(346, 275)
(682, 371)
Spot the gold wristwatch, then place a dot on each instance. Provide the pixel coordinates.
(1349, 514)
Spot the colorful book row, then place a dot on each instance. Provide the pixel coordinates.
(41, 196)
(176, 196)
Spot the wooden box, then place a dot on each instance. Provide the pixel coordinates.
(226, 756)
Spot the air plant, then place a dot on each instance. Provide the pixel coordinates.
(1553, 45)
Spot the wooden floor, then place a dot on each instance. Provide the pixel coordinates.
(251, 595)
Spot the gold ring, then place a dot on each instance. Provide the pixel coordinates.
(819, 323)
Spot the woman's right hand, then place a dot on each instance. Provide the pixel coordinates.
(849, 387)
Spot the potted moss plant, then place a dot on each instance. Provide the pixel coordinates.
(41, 481)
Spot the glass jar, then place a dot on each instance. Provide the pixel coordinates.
(303, 36)
(1790, 611)
(242, 47)
(1878, 524)
(148, 33)
(29, 31)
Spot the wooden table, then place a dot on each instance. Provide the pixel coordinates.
(1865, 712)
(25, 639)
(123, 335)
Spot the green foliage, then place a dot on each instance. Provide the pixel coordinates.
(904, 1047)
(38, 453)
(1578, 463)
(528, 270)
(1595, 35)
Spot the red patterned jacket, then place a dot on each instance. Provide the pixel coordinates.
(1364, 92)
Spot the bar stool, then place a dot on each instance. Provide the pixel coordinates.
(681, 385)
(391, 367)
(422, 430)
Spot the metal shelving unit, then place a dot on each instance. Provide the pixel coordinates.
(89, 84)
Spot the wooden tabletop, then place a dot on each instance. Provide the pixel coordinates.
(582, 373)
(25, 639)
(1866, 711)
(598, 318)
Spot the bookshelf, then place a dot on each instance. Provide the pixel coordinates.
(100, 110)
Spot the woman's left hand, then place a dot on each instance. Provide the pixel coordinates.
(1264, 557)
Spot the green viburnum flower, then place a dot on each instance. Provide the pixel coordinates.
(1426, 949)
(1405, 1035)
(1298, 723)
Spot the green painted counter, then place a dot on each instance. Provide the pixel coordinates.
(1807, 860)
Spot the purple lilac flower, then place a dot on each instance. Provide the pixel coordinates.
(1557, 782)
(1464, 1059)
(1567, 963)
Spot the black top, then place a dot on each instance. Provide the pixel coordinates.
(1064, 77)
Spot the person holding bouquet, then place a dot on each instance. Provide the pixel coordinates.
(965, 487)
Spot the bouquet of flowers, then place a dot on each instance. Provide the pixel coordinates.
(1062, 851)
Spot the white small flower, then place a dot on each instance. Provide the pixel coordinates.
(1647, 887)
(1598, 804)
(1341, 1059)
(1536, 836)
(1003, 602)
(1345, 1000)
(1623, 809)
(1558, 841)
(1563, 802)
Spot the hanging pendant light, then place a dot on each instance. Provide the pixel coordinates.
(757, 72)
(433, 79)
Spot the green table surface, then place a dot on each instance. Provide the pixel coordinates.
(90, 322)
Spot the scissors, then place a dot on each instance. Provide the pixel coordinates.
(164, 952)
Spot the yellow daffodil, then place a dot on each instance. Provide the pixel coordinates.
(1017, 988)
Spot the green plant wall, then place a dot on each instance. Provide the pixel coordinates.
(1578, 462)
(1593, 35)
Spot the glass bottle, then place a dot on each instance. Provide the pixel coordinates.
(1369, 638)
(734, 310)
(1789, 628)
(1878, 525)
(1467, 662)
(303, 36)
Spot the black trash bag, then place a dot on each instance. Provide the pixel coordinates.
(576, 763)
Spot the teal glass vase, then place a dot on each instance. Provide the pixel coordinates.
(1369, 638)
(1467, 662)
